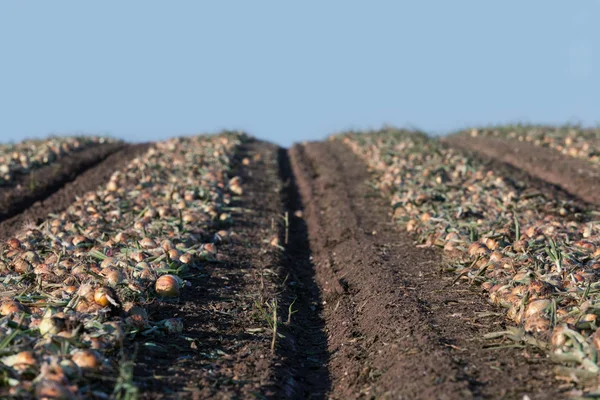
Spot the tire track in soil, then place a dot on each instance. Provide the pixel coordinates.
(577, 177)
(60, 184)
(301, 371)
(396, 327)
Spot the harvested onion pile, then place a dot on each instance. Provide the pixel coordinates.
(28, 155)
(75, 288)
(537, 256)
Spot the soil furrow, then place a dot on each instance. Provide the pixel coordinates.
(397, 327)
(575, 176)
(301, 371)
(54, 187)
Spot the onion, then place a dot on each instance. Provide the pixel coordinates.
(168, 286)
(148, 243)
(31, 257)
(25, 359)
(514, 313)
(478, 249)
(537, 307)
(486, 286)
(121, 237)
(10, 307)
(595, 339)
(496, 256)
(520, 246)
(537, 324)
(49, 389)
(14, 243)
(146, 274)
(79, 239)
(222, 236)
(138, 317)
(86, 290)
(173, 326)
(224, 217)
(491, 244)
(51, 325)
(70, 289)
(20, 361)
(113, 276)
(103, 296)
(173, 254)
(235, 186)
(275, 241)
(107, 262)
(167, 245)
(22, 267)
(112, 186)
(137, 256)
(411, 225)
(186, 258)
(86, 360)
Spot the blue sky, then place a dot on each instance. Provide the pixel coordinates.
(293, 71)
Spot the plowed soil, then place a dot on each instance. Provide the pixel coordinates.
(225, 351)
(362, 312)
(576, 176)
(397, 327)
(54, 187)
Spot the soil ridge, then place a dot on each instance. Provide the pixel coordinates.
(58, 185)
(578, 177)
(397, 327)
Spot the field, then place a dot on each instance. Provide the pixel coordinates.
(382, 264)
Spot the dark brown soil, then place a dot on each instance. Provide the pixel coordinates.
(53, 188)
(397, 327)
(225, 351)
(302, 371)
(372, 315)
(576, 176)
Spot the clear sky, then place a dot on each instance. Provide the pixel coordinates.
(290, 71)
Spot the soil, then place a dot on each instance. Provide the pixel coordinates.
(532, 185)
(576, 176)
(217, 356)
(54, 187)
(362, 312)
(302, 371)
(225, 351)
(397, 327)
